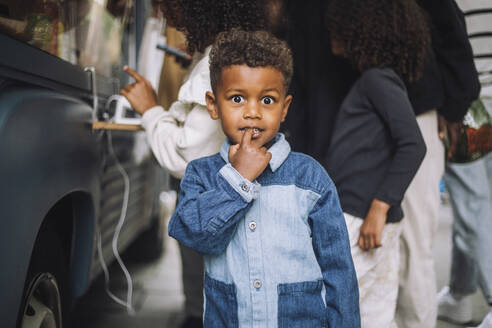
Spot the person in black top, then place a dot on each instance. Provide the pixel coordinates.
(376, 147)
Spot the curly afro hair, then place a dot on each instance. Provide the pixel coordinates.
(254, 49)
(381, 33)
(203, 20)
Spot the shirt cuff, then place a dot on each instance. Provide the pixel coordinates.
(247, 189)
(390, 198)
(151, 115)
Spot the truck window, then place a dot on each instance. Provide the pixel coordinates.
(82, 32)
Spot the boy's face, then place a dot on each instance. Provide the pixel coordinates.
(249, 98)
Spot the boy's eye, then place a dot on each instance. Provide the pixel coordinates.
(267, 100)
(237, 99)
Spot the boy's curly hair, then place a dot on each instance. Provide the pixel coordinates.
(255, 49)
(203, 20)
(381, 33)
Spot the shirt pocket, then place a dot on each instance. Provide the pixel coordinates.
(220, 305)
(300, 305)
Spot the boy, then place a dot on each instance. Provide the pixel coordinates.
(267, 220)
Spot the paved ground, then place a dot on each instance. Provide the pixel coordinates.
(158, 298)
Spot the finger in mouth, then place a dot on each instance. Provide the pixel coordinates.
(255, 130)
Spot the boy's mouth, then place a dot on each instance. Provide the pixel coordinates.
(256, 131)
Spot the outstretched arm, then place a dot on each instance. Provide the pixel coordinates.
(177, 136)
(180, 135)
(206, 217)
(332, 248)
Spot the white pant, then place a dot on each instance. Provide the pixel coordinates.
(417, 307)
(377, 274)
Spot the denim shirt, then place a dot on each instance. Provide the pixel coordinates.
(276, 250)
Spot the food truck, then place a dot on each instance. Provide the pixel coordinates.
(64, 186)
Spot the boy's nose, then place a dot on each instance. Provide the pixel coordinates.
(252, 111)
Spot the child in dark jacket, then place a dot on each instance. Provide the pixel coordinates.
(267, 220)
(376, 146)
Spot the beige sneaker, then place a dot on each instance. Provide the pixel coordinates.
(452, 309)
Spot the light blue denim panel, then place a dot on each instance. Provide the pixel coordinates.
(232, 266)
(279, 247)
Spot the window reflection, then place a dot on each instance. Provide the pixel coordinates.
(83, 32)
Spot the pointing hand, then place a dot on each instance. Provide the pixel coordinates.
(140, 94)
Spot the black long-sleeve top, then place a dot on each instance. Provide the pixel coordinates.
(377, 146)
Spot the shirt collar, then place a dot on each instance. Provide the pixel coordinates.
(279, 150)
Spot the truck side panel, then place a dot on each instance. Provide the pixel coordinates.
(47, 151)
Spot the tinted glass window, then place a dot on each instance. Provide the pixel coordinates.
(83, 32)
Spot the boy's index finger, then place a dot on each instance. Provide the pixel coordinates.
(247, 135)
(133, 74)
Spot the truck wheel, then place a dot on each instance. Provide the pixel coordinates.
(45, 287)
(43, 304)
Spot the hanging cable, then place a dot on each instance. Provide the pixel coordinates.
(124, 207)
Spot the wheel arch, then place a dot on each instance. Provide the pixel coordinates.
(71, 219)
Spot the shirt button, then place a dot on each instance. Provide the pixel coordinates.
(244, 187)
(252, 225)
(257, 284)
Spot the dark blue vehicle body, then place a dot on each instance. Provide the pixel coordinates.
(55, 171)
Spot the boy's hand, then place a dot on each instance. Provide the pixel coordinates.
(371, 230)
(140, 94)
(248, 157)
